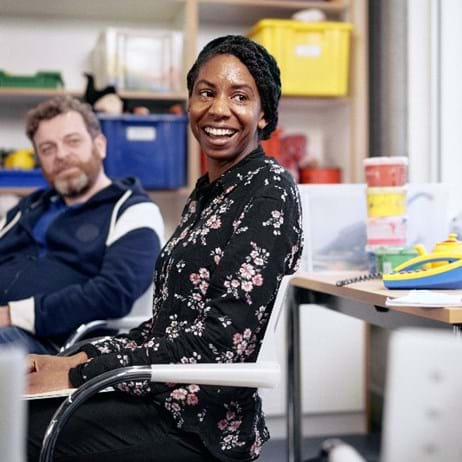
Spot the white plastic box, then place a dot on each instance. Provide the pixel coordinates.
(138, 60)
(335, 218)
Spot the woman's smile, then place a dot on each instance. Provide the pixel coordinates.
(220, 135)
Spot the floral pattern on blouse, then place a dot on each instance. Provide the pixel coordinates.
(215, 285)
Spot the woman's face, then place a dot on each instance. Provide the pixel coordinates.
(225, 112)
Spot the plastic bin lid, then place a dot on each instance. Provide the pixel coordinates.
(294, 24)
(391, 250)
(387, 190)
(142, 118)
(386, 160)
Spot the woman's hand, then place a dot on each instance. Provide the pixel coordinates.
(49, 373)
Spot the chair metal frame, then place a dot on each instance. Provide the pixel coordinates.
(264, 373)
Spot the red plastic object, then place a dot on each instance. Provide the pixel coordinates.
(294, 147)
(385, 171)
(321, 175)
(272, 147)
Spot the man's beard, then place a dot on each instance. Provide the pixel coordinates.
(78, 184)
(72, 186)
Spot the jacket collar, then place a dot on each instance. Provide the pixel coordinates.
(229, 178)
(115, 189)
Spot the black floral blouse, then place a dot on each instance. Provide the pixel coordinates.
(215, 285)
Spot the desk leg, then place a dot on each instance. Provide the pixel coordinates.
(294, 402)
(457, 330)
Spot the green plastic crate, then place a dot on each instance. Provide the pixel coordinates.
(42, 79)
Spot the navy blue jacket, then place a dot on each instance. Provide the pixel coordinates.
(100, 259)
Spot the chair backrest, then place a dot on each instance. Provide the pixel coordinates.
(140, 312)
(143, 305)
(423, 405)
(268, 348)
(12, 408)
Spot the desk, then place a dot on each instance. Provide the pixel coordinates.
(362, 300)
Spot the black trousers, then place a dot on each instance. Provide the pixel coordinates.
(113, 427)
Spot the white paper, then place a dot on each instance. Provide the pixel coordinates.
(63, 393)
(50, 394)
(426, 298)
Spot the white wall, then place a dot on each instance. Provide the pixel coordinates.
(451, 90)
(434, 90)
(419, 91)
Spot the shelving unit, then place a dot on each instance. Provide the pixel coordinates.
(32, 94)
(250, 11)
(199, 20)
(59, 35)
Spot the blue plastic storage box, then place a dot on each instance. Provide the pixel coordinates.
(152, 148)
(21, 178)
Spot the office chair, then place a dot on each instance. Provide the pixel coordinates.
(423, 406)
(264, 373)
(12, 407)
(140, 312)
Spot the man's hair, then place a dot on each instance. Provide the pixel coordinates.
(260, 64)
(61, 105)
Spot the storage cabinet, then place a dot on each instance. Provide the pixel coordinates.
(50, 35)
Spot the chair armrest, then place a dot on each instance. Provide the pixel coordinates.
(252, 375)
(81, 331)
(126, 323)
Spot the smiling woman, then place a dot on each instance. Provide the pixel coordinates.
(225, 113)
(215, 286)
(234, 90)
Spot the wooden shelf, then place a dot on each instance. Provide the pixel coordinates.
(333, 5)
(312, 102)
(17, 190)
(167, 96)
(248, 12)
(33, 95)
(132, 10)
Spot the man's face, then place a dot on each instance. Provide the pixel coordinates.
(70, 160)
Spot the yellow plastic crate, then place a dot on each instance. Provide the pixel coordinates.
(313, 57)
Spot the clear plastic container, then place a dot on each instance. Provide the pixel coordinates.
(138, 60)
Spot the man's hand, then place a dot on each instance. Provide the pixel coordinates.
(48, 373)
(5, 319)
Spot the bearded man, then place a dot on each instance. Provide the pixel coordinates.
(83, 248)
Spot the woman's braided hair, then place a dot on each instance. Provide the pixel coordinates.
(260, 64)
